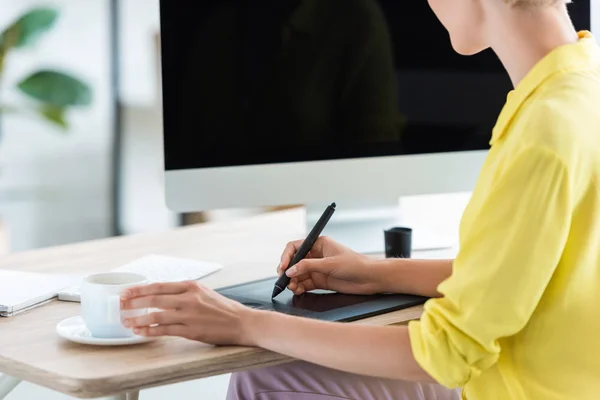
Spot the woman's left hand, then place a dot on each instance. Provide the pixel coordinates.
(189, 310)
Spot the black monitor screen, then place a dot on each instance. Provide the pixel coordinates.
(274, 81)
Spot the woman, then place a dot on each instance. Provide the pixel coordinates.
(515, 315)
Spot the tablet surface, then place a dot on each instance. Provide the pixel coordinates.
(323, 305)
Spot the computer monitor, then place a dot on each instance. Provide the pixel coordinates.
(274, 102)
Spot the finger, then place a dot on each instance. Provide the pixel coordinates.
(290, 249)
(195, 285)
(308, 285)
(281, 270)
(162, 330)
(319, 245)
(309, 265)
(155, 289)
(155, 318)
(293, 285)
(164, 302)
(302, 277)
(300, 289)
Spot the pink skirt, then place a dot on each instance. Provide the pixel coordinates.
(303, 381)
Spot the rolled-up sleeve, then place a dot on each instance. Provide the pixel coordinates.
(509, 251)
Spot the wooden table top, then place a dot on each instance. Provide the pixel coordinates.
(249, 249)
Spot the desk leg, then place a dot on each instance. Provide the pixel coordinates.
(125, 396)
(7, 384)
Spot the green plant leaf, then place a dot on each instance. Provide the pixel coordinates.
(54, 114)
(57, 89)
(28, 28)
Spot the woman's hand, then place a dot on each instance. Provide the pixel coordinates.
(330, 266)
(190, 310)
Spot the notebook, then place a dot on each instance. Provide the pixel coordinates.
(21, 291)
(156, 268)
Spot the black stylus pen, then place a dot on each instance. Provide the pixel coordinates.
(308, 243)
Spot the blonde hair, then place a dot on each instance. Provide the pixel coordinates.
(535, 3)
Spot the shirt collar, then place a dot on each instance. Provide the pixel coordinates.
(583, 54)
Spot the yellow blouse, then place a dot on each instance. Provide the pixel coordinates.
(520, 316)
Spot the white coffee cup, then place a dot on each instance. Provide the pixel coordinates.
(101, 303)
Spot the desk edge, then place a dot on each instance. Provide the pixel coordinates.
(96, 387)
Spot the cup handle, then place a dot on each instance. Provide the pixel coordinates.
(114, 309)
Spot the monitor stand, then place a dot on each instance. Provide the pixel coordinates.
(360, 226)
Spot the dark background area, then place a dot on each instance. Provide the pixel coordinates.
(449, 102)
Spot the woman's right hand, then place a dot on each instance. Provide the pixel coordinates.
(329, 266)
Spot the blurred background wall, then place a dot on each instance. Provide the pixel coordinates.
(55, 185)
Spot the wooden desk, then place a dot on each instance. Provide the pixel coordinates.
(31, 351)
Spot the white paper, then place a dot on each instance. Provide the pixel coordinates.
(156, 268)
(20, 290)
(159, 268)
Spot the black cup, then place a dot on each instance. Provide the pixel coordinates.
(398, 242)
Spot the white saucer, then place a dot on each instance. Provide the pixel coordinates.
(74, 329)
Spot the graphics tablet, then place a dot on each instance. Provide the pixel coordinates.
(323, 305)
